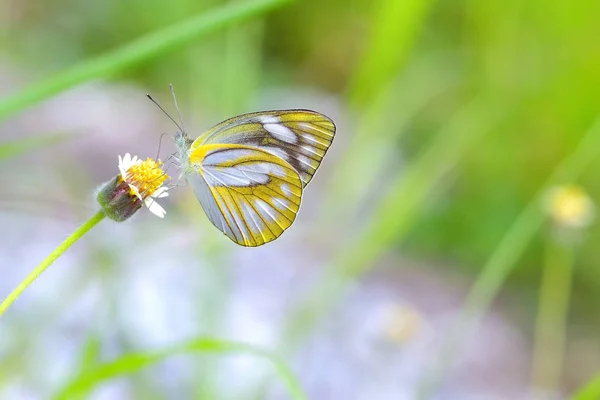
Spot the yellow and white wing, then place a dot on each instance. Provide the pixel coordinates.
(249, 194)
(299, 137)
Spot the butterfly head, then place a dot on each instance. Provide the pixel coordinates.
(183, 144)
(181, 138)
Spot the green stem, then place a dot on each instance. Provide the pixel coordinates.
(555, 292)
(495, 272)
(33, 275)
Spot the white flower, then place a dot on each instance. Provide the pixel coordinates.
(145, 179)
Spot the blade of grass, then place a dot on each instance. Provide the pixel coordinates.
(553, 308)
(90, 353)
(380, 126)
(17, 147)
(392, 219)
(591, 391)
(396, 213)
(395, 25)
(500, 264)
(134, 362)
(139, 50)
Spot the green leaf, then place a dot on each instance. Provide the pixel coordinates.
(139, 50)
(134, 362)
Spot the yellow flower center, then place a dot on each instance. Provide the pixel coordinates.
(146, 176)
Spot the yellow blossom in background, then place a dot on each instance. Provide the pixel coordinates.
(569, 206)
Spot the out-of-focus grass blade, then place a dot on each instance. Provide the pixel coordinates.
(134, 362)
(90, 353)
(139, 50)
(17, 147)
(381, 124)
(397, 211)
(591, 391)
(502, 261)
(395, 25)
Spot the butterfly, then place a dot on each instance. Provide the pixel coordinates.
(249, 172)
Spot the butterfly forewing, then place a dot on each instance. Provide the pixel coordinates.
(299, 137)
(248, 193)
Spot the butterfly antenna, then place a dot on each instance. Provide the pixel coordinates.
(177, 107)
(166, 113)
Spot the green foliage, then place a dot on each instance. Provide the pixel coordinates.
(144, 48)
(506, 256)
(131, 363)
(427, 169)
(397, 212)
(395, 27)
(590, 391)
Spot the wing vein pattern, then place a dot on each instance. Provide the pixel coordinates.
(299, 137)
(250, 194)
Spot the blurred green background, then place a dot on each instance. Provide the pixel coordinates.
(453, 117)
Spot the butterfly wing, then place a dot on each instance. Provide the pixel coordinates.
(249, 194)
(300, 137)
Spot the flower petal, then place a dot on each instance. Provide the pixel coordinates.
(160, 192)
(154, 207)
(127, 162)
(136, 191)
(122, 169)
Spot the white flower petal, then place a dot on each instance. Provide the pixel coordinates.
(136, 191)
(122, 169)
(160, 192)
(154, 207)
(127, 162)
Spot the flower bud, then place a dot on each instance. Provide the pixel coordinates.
(116, 201)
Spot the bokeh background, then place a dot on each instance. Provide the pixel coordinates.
(427, 260)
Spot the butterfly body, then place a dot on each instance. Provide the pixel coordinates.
(183, 144)
(249, 171)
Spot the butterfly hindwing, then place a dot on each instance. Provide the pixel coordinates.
(248, 193)
(299, 137)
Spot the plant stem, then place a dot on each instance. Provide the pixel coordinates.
(495, 272)
(555, 292)
(33, 275)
